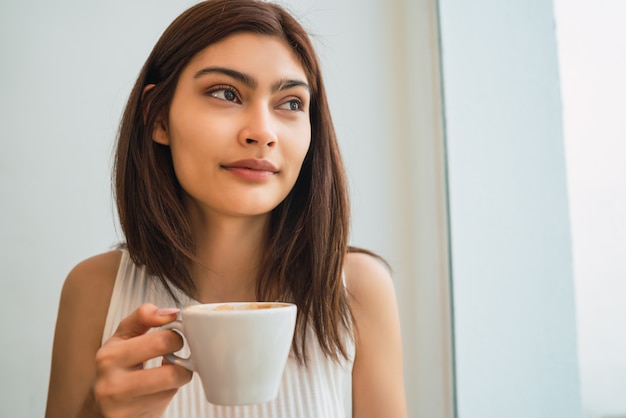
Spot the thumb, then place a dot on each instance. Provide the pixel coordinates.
(143, 318)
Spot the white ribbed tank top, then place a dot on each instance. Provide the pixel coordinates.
(322, 389)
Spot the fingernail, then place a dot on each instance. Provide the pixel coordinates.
(167, 311)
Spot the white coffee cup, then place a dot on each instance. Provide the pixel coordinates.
(238, 349)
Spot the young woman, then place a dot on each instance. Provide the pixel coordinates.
(229, 187)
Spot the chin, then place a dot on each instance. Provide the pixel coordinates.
(253, 210)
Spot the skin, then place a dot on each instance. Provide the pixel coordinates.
(239, 99)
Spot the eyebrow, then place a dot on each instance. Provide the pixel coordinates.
(249, 81)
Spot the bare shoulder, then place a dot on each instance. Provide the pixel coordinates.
(95, 272)
(368, 280)
(371, 293)
(87, 290)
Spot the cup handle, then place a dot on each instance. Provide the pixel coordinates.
(177, 326)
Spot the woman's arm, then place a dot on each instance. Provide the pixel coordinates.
(377, 377)
(80, 322)
(88, 380)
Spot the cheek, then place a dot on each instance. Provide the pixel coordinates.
(193, 148)
(198, 137)
(297, 156)
(301, 146)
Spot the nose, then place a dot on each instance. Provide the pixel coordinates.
(258, 128)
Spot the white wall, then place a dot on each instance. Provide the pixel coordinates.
(67, 68)
(514, 318)
(592, 53)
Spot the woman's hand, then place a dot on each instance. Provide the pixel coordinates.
(122, 387)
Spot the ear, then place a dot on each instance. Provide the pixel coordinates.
(159, 132)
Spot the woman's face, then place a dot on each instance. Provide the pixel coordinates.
(238, 126)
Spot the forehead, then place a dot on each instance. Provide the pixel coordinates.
(251, 53)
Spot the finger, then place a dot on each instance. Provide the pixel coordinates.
(162, 378)
(142, 319)
(131, 352)
(146, 406)
(123, 387)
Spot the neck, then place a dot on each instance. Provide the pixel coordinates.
(228, 252)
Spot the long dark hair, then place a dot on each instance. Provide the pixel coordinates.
(308, 234)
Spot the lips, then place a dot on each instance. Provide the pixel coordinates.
(251, 170)
(252, 164)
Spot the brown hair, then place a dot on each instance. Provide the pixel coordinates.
(308, 236)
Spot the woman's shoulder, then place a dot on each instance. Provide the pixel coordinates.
(88, 287)
(370, 288)
(368, 277)
(94, 274)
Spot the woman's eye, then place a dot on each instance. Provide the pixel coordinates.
(293, 105)
(226, 94)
